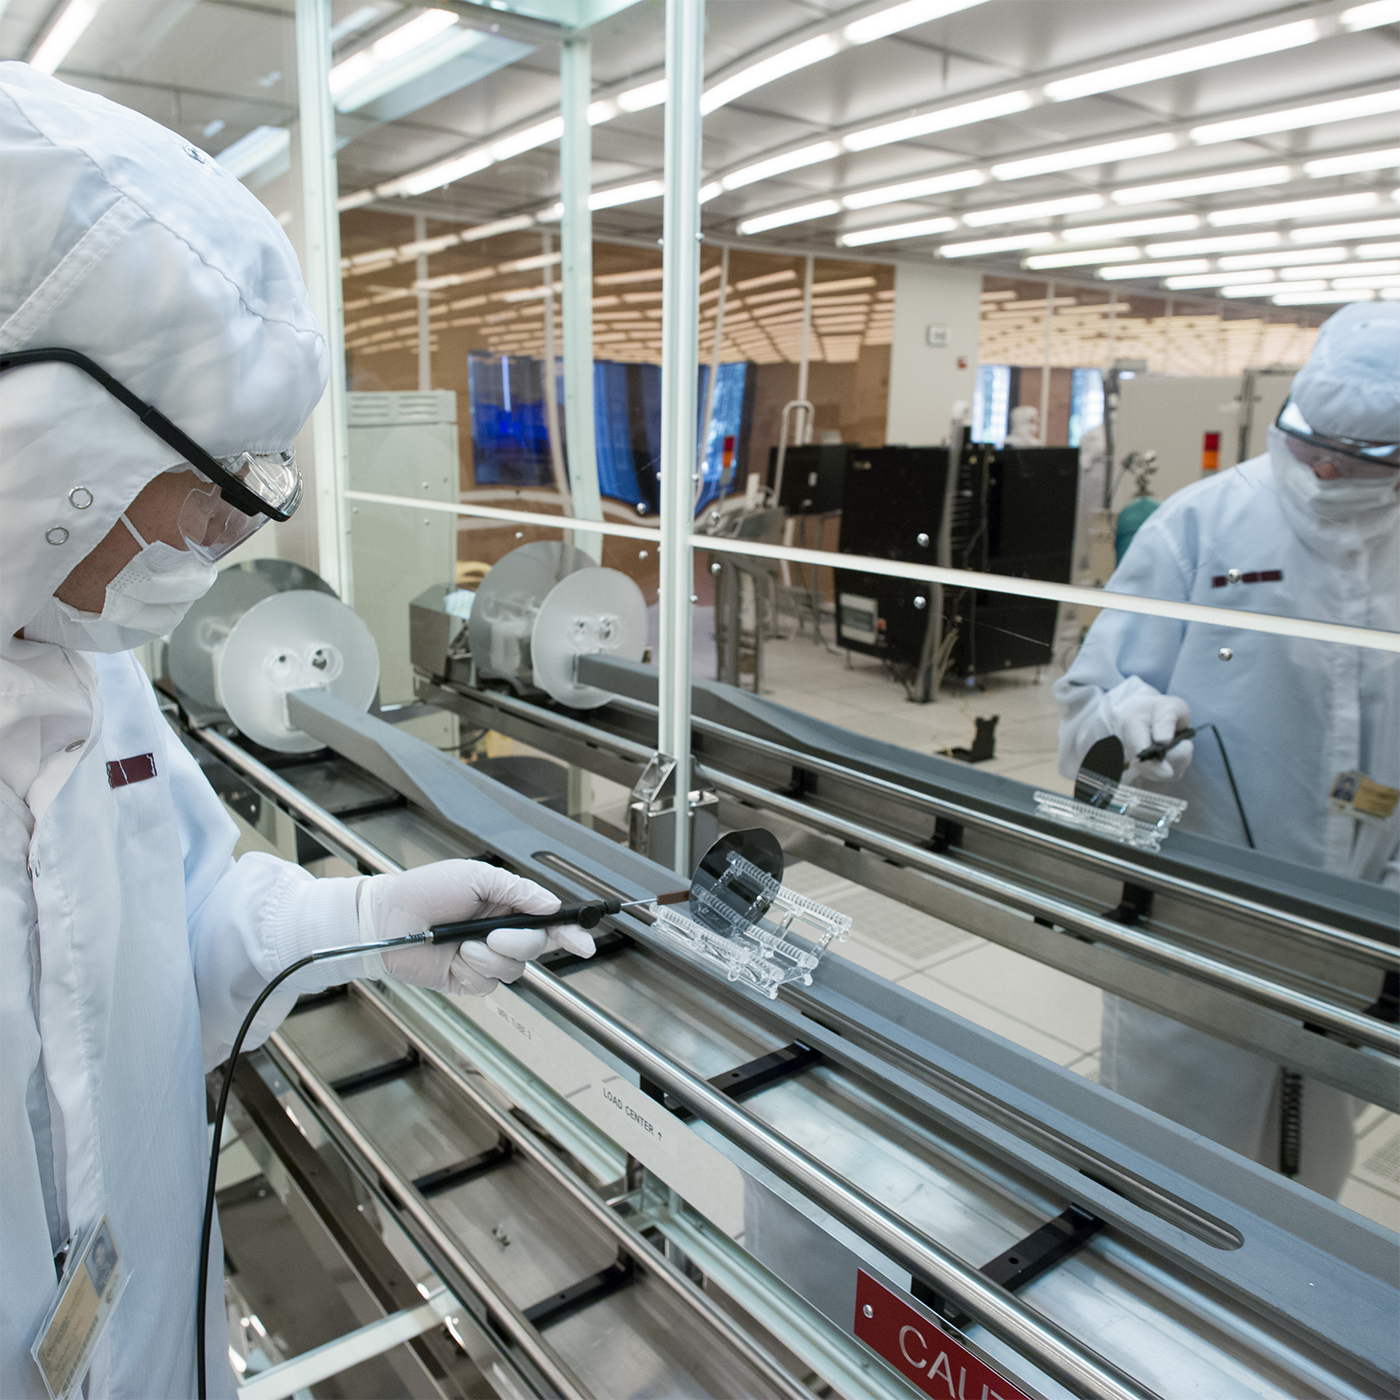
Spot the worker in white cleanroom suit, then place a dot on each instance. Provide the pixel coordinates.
(1310, 529)
(131, 943)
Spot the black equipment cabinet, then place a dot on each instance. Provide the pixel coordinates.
(813, 476)
(1013, 514)
(891, 508)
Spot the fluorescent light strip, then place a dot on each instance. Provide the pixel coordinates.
(1292, 118)
(1283, 259)
(1102, 233)
(900, 17)
(1320, 298)
(1086, 156)
(1082, 258)
(1229, 243)
(1203, 184)
(1347, 270)
(1192, 60)
(1351, 165)
(889, 233)
(820, 209)
(1113, 274)
(1381, 227)
(914, 189)
(942, 119)
(1041, 209)
(1269, 288)
(777, 165)
(1293, 209)
(626, 194)
(1377, 250)
(1218, 279)
(769, 70)
(250, 152)
(67, 29)
(366, 75)
(1392, 279)
(995, 245)
(1378, 12)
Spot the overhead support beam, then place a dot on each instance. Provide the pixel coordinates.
(576, 275)
(680, 330)
(321, 268)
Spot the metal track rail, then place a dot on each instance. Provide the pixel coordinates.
(1022, 1328)
(1353, 1025)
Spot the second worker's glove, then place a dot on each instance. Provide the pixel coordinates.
(1152, 720)
(391, 906)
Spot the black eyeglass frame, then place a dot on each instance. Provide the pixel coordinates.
(234, 491)
(1363, 449)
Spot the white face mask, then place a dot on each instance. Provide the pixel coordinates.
(1347, 498)
(146, 600)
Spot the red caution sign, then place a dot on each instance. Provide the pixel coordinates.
(921, 1352)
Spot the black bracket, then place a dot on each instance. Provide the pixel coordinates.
(371, 808)
(803, 784)
(1386, 1007)
(1042, 1249)
(312, 1000)
(946, 835)
(445, 1178)
(1136, 904)
(745, 1079)
(364, 1079)
(581, 1294)
(609, 945)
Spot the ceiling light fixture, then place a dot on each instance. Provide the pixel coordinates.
(941, 119)
(1283, 259)
(1377, 250)
(1187, 265)
(1300, 298)
(995, 245)
(638, 99)
(626, 194)
(256, 149)
(1192, 60)
(533, 136)
(1379, 228)
(763, 222)
(1378, 12)
(1083, 257)
(768, 70)
(1041, 209)
(777, 165)
(1350, 165)
(65, 31)
(1292, 118)
(890, 233)
(1086, 156)
(1102, 233)
(899, 17)
(1293, 209)
(914, 189)
(1230, 242)
(398, 57)
(1349, 270)
(1203, 184)
(1218, 279)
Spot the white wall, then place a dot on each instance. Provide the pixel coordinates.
(926, 381)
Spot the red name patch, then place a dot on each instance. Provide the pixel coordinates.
(922, 1352)
(137, 769)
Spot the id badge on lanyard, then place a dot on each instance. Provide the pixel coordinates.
(1361, 797)
(94, 1277)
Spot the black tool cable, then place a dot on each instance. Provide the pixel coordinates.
(585, 915)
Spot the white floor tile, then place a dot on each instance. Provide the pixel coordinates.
(990, 1018)
(1030, 992)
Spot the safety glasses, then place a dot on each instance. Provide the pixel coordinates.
(1351, 456)
(232, 497)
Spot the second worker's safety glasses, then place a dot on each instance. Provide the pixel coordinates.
(1354, 457)
(230, 498)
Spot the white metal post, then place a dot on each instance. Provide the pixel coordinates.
(321, 215)
(1045, 372)
(551, 387)
(803, 363)
(425, 343)
(714, 375)
(680, 362)
(576, 276)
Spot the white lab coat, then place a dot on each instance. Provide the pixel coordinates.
(1293, 714)
(129, 953)
(131, 944)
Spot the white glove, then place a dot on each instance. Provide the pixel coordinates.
(391, 906)
(1154, 720)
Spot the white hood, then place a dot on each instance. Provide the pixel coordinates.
(122, 241)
